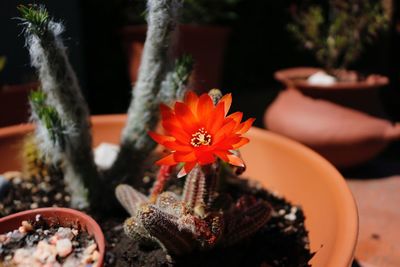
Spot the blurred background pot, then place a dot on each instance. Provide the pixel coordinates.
(60, 217)
(279, 164)
(344, 122)
(14, 106)
(205, 43)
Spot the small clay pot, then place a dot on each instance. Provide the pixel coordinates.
(345, 122)
(58, 216)
(280, 164)
(205, 43)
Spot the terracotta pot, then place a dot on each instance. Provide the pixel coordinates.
(62, 216)
(205, 43)
(344, 122)
(361, 95)
(14, 106)
(280, 164)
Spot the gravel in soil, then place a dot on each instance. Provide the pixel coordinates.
(35, 243)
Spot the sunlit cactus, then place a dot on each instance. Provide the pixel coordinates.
(198, 218)
(63, 129)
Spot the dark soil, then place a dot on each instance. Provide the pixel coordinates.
(36, 192)
(283, 241)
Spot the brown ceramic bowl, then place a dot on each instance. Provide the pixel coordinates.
(281, 165)
(60, 216)
(297, 77)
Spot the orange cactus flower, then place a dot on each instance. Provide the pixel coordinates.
(197, 132)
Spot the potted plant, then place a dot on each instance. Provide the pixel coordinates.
(336, 37)
(66, 238)
(201, 34)
(209, 215)
(14, 97)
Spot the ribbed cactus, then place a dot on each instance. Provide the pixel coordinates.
(181, 224)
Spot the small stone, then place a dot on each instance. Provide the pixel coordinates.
(67, 198)
(105, 155)
(12, 175)
(45, 253)
(45, 199)
(34, 206)
(95, 255)
(281, 212)
(58, 196)
(64, 247)
(290, 217)
(65, 232)
(146, 179)
(27, 226)
(89, 250)
(321, 78)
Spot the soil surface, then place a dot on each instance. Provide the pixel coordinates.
(283, 241)
(36, 243)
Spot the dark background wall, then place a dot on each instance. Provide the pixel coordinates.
(259, 45)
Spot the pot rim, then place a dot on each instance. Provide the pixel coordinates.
(286, 76)
(81, 218)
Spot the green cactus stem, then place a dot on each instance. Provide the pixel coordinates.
(60, 85)
(143, 110)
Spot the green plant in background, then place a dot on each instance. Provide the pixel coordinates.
(338, 37)
(2, 63)
(193, 11)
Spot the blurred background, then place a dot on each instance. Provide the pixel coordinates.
(257, 44)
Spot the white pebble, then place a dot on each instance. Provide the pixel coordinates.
(321, 78)
(64, 247)
(290, 217)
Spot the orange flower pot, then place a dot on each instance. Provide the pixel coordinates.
(281, 165)
(63, 216)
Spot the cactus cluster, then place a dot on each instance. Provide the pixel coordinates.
(202, 217)
(63, 129)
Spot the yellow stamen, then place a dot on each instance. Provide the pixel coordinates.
(200, 138)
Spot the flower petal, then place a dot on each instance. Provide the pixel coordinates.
(226, 130)
(245, 126)
(176, 131)
(186, 118)
(191, 100)
(242, 142)
(223, 155)
(235, 160)
(184, 157)
(204, 158)
(161, 139)
(168, 160)
(216, 119)
(237, 117)
(178, 147)
(186, 169)
(204, 108)
(227, 100)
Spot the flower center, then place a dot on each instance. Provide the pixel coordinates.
(200, 138)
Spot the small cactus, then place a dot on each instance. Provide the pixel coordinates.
(197, 219)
